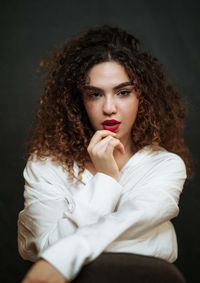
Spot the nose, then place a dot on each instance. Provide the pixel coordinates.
(109, 105)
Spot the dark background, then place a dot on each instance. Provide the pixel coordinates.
(29, 30)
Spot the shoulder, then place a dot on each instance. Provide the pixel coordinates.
(160, 159)
(44, 170)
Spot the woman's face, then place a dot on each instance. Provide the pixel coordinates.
(110, 95)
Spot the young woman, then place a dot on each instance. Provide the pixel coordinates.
(107, 160)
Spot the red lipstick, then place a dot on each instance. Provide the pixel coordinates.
(111, 125)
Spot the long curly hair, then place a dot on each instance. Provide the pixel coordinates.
(63, 130)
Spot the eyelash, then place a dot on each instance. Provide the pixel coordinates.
(93, 95)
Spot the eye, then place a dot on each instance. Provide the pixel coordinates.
(94, 95)
(124, 92)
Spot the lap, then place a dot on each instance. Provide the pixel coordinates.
(129, 268)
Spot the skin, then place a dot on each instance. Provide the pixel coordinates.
(43, 272)
(108, 151)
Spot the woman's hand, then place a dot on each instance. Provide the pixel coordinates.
(42, 271)
(101, 151)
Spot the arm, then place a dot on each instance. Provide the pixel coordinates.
(51, 212)
(153, 203)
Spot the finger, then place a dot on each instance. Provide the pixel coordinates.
(118, 145)
(115, 144)
(100, 147)
(121, 148)
(98, 136)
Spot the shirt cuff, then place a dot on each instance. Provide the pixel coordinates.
(67, 256)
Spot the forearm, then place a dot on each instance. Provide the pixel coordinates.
(83, 246)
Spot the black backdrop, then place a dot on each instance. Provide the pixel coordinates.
(29, 29)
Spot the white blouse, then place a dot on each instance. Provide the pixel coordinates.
(70, 225)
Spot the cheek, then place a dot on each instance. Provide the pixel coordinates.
(135, 110)
(131, 109)
(92, 112)
(135, 106)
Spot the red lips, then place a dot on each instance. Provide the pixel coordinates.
(110, 122)
(111, 125)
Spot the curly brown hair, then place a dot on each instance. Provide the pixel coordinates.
(63, 130)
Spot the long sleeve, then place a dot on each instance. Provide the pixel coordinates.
(51, 212)
(142, 209)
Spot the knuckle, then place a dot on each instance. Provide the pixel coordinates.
(98, 132)
(110, 137)
(112, 141)
(93, 151)
(111, 144)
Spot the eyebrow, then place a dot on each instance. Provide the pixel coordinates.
(90, 87)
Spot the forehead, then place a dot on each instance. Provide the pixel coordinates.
(105, 73)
